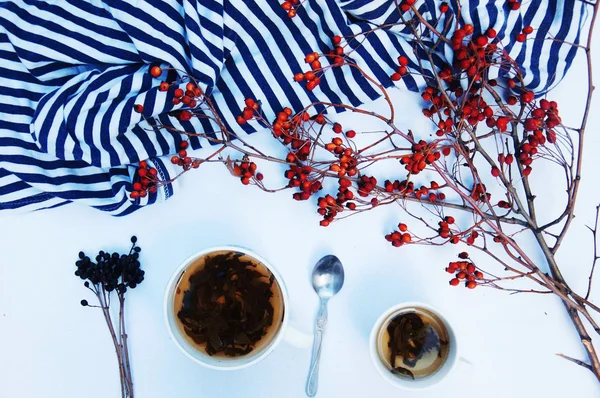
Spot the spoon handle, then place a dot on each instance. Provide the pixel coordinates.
(312, 382)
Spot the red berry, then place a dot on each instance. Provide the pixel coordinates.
(134, 195)
(138, 108)
(521, 37)
(471, 284)
(454, 282)
(444, 7)
(178, 92)
(481, 41)
(350, 133)
(336, 40)
(299, 77)
(527, 96)
(142, 172)
(528, 30)
(164, 86)
(184, 144)
(495, 171)
(185, 115)
(402, 60)
(155, 71)
(175, 159)
(337, 128)
(402, 227)
(324, 223)
(491, 33)
(395, 77)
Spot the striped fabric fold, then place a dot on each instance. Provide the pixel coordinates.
(71, 71)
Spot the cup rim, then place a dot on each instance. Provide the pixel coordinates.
(168, 305)
(385, 373)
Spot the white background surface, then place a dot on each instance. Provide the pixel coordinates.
(50, 346)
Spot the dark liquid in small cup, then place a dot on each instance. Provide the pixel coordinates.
(228, 304)
(414, 344)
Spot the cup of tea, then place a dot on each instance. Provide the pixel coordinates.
(226, 308)
(413, 346)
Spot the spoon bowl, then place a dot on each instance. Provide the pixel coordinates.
(328, 277)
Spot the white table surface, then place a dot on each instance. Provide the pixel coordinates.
(50, 346)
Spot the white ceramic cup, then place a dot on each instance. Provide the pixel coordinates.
(228, 363)
(385, 370)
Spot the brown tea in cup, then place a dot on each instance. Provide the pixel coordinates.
(414, 343)
(228, 304)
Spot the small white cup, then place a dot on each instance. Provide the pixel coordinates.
(228, 363)
(384, 369)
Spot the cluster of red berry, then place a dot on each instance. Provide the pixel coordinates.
(291, 7)
(400, 237)
(401, 70)
(248, 112)
(337, 52)
(405, 5)
(521, 37)
(182, 159)
(444, 229)
(145, 180)
(366, 185)
(348, 163)
(407, 188)
(328, 208)
(188, 97)
(472, 53)
(479, 193)
(423, 154)
(514, 4)
(246, 170)
(311, 77)
(286, 129)
(299, 177)
(464, 270)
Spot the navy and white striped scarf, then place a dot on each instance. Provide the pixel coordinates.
(71, 71)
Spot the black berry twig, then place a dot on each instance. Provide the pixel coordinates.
(113, 273)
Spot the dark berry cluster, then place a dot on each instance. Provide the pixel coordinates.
(111, 271)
